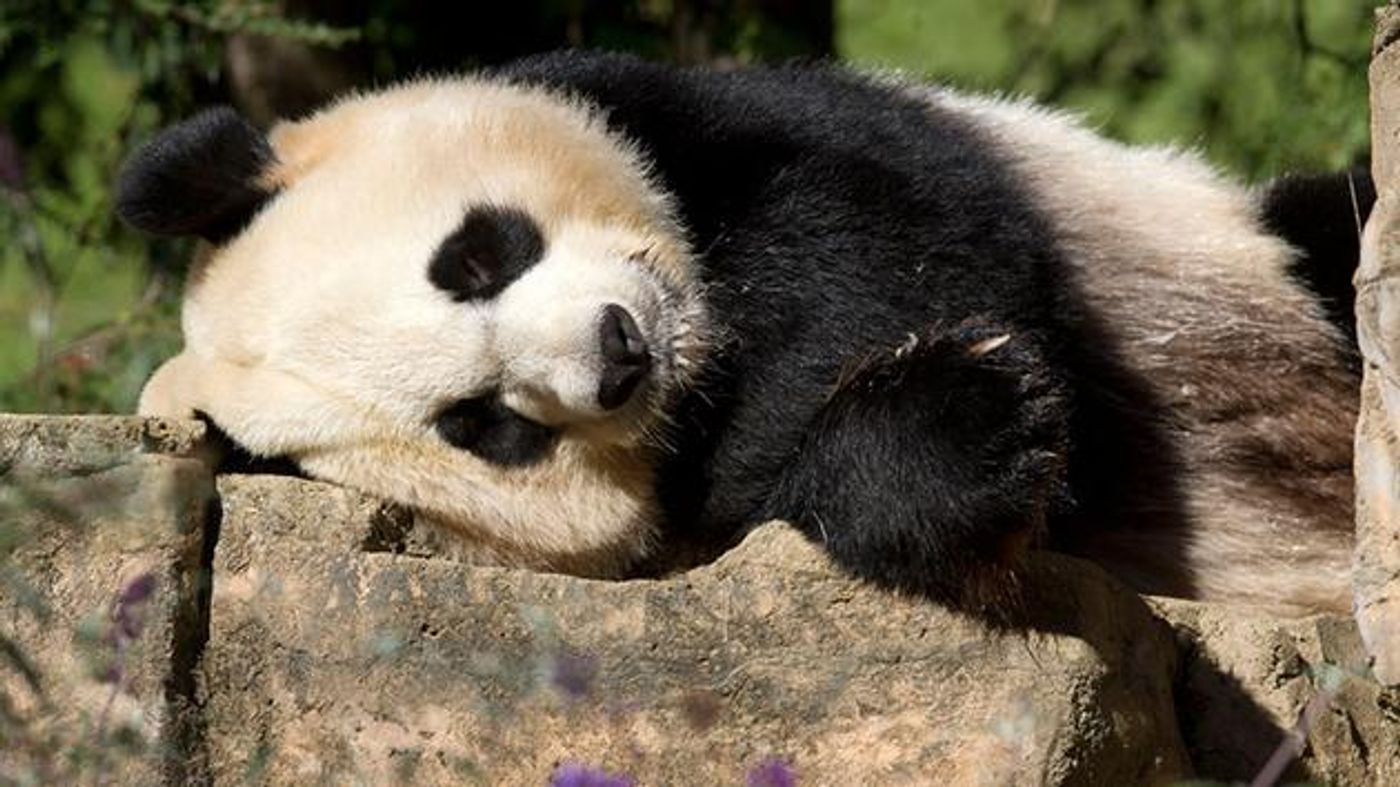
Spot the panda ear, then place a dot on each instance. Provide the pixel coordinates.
(198, 177)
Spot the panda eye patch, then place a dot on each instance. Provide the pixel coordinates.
(487, 428)
(490, 249)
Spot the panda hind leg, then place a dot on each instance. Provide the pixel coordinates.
(933, 467)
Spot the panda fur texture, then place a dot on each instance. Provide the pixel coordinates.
(597, 315)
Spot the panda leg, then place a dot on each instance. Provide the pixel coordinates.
(932, 468)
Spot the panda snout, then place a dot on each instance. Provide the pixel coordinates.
(626, 360)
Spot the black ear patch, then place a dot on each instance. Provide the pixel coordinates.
(198, 177)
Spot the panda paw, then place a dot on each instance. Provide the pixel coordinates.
(933, 466)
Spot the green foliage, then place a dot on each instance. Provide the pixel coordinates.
(87, 309)
(1262, 86)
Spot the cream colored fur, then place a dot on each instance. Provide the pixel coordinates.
(1172, 256)
(316, 334)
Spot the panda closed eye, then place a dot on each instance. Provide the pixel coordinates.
(487, 428)
(492, 247)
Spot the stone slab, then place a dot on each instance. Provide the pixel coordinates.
(91, 508)
(1246, 679)
(1377, 461)
(330, 664)
(341, 650)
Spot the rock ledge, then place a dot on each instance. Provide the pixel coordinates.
(302, 631)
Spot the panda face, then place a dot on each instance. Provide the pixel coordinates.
(468, 298)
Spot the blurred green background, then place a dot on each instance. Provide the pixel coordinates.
(87, 308)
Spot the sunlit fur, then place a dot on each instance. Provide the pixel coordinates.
(316, 334)
(1168, 252)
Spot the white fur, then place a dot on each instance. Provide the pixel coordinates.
(316, 334)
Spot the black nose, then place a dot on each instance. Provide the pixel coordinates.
(626, 361)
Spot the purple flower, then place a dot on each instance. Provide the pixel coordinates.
(772, 772)
(138, 589)
(573, 674)
(128, 616)
(127, 623)
(572, 774)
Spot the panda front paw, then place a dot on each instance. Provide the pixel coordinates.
(934, 465)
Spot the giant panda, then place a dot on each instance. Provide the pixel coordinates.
(598, 315)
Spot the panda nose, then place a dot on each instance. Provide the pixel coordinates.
(626, 361)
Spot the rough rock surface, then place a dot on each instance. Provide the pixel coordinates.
(87, 505)
(1246, 678)
(1377, 298)
(328, 663)
(333, 648)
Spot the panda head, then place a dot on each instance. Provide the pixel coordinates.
(463, 296)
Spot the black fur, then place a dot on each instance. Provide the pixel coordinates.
(198, 177)
(960, 437)
(491, 248)
(230, 457)
(839, 221)
(1322, 215)
(494, 432)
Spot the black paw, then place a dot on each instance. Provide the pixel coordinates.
(933, 465)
